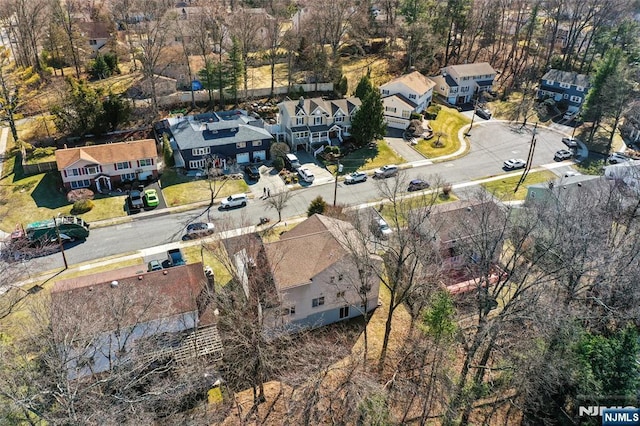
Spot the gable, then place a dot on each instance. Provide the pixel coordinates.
(107, 153)
(413, 82)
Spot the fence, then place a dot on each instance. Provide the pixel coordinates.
(32, 169)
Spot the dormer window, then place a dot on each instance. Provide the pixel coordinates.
(550, 82)
(299, 121)
(412, 96)
(317, 120)
(565, 85)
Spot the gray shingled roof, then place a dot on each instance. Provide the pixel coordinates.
(568, 77)
(403, 99)
(477, 68)
(331, 106)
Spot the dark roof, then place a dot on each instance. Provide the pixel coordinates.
(319, 128)
(300, 129)
(450, 81)
(307, 106)
(568, 77)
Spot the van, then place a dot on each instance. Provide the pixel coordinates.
(291, 162)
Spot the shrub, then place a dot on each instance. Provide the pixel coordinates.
(318, 205)
(42, 152)
(446, 190)
(432, 112)
(81, 206)
(278, 164)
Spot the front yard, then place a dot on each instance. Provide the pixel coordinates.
(503, 188)
(368, 158)
(180, 189)
(445, 130)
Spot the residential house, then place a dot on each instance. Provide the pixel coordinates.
(310, 123)
(410, 93)
(630, 127)
(173, 64)
(571, 187)
(97, 35)
(110, 319)
(216, 139)
(315, 278)
(458, 84)
(566, 87)
(105, 166)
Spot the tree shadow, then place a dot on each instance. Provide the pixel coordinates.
(47, 194)
(358, 158)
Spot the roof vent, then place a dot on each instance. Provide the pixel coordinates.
(579, 183)
(139, 277)
(165, 272)
(469, 209)
(114, 284)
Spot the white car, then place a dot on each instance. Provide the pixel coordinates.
(355, 177)
(199, 229)
(381, 228)
(514, 163)
(386, 171)
(618, 157)
(235, 200)
(306, 174)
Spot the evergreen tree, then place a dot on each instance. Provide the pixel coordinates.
(364, 86)
(208, 77)
(236, 69)
(98, 68)
(368, 121)
(116, 112)
(81, 111)
(318, 205)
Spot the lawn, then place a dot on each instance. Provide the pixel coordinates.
(369, 158)
(179, 189)
(503, 188)
(445, 129)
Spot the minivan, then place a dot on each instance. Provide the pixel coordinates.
(291, 161)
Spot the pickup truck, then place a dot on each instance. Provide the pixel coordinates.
(175, 257)
(135, 200)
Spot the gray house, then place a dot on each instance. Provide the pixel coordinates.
(217, 139)
(566, 86)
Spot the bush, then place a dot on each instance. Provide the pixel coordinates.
(446, 190)
(318, 205)
(81, 206)
(432, 112)
(42, 152)
(278, 163)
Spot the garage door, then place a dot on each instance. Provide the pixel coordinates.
(242, 158)
(260, 155)
(397, 123)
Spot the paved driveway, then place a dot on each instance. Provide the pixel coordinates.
(399, 145)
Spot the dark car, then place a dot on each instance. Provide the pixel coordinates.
(483, 113)
(418, 184)
(135, 200)
(252, 172)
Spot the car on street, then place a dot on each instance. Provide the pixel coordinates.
(386, 171)
(483, 113)
(198, 229)
(381, 228)
(151, 198)
(135, 200)
(154, 265)
(514, 163)
(570, 142)
(417, 185)
(306, 174)
(235, 200)
(572, 173)
(563, 154)
(252, 172)
(618, 157)
(355, 177)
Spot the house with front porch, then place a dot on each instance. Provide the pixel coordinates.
(105, 166)
(311, 123)
(407, 94)
(565, 86)
(216, 139)
(458, 84)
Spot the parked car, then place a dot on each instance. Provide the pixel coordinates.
(618, 157)
(570, 142)
(355, 177)
(306, 174)
(291, 162)
(252, 172)
(154, 265)
(198, 229)
(483, 113)
(381, 228)
(175, 257)
(235, 200)
(151, 198)
(418, 184)
(569, 115)
(135, 200)
(572, 173)
(514, 163)
(562, 154)
(386, 171)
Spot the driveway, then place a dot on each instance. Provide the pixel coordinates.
(399, 145)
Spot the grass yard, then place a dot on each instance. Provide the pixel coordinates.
(209, 255)
(178, 189)
(355, 68)
(417, 200)
(503, 188)
(447, 124)
(369, 158)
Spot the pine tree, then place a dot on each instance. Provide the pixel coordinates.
(368, 122)
(318, 205)
(236, 69)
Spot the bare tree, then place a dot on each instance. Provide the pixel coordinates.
(279, 202)
(247, 26)
(64, 17)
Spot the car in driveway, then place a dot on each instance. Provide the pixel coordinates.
(563, 154)
(306, 174)
(570, 142)
(151, 198)
(572, 173)
(483, 113)
(514, 163)
(618, 157)
(135, 200)
(386, 171)
(355, 177)
(154, 265)
(417, 185)
(198, 229)
(252, 172)
(380, 228)
(235, 200)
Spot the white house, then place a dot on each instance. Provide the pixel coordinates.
(316, 278)
(313, 122)
(405, 95)
(459, 83)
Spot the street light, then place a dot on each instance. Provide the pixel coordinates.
(335, 187)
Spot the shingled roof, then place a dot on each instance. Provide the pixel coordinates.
(415, 81)
(330, 106)
(107, 153)
(568, 77)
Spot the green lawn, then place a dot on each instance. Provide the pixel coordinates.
(446, 125)
(209, 255)
(179, 189)
(369, 158)
(503, 188)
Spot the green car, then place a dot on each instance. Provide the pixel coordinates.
(151, 198)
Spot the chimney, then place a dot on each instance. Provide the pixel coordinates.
(114, 284)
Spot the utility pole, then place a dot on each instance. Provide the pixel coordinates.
(473, 116)
(64, 257)
(527, 166)
(335, 186)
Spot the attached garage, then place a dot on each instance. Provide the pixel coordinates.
(397, 123)
(259, 155)
(242, 158)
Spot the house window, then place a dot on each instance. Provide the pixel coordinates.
(406, 113)
(122, 165)
(241, 145)
(550, 82)
(197, 164)
(340, 295)
(580, 88)
(317, 120)
(576, 99)
(385, 92)
(256, 143)
(200, 151)
(93, 42)
(390, 109)
(91, 170)
(74, 172)
(464, 89)
(299, 121)
(128, 176)
(317, 302)
(344, 312)
(291, 310)
(146, 162)
(565, 85)
(565, 96)
(339, 118)
(412, 96)
(80, 184)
